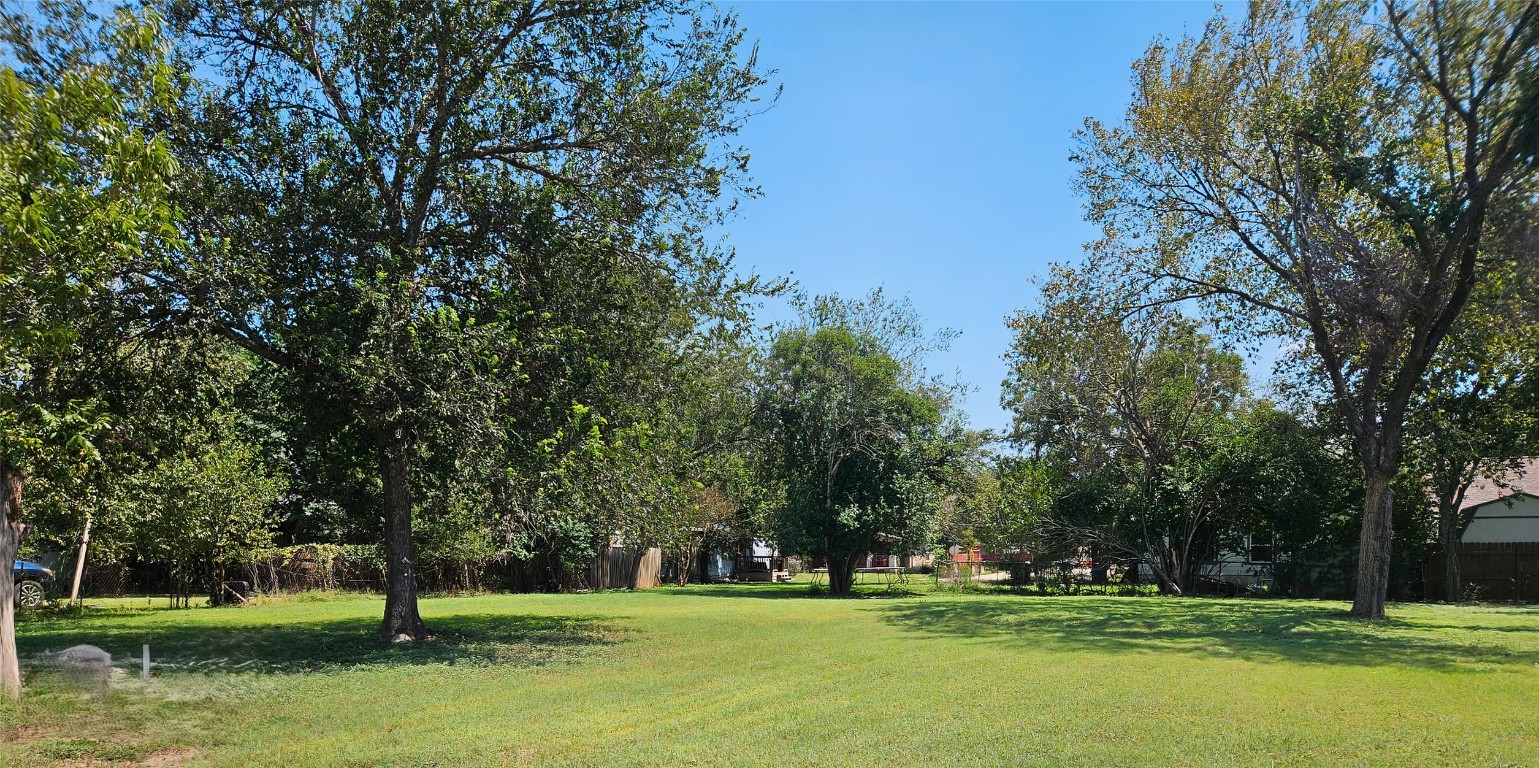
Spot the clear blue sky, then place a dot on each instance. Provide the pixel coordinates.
(925, 147)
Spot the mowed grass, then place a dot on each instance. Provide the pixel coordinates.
(751, 675)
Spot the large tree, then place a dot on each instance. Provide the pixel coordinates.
(82, 195)
(1478, 407)
(1131, 407)
(436, 214)
(701, 444)
(854, 436)
(1325, 172)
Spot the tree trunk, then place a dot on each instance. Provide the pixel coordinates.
(1373, 545)
(682, 564)
(402, 622)
(1448, 537)
(11, 532)
(1168, 585)
(841, 574)
(1163, 567)
(1452, 487)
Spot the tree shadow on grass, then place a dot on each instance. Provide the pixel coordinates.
(764, 591)
(1255, 630)
(788, 591)
(312, 646)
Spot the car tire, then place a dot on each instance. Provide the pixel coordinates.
(29, 594)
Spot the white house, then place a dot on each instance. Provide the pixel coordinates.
(1246, 567)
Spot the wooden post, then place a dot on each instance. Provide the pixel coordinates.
(144, 671)
(85, 538)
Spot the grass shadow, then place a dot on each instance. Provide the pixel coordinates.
(1260, 630)
(759, 591)
(311, 646)
(792, 590)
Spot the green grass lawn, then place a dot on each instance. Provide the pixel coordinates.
(762, 675)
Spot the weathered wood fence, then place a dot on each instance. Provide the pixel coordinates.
(626, 568)
(1498, 571)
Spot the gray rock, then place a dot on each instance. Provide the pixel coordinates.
(84, 654)
(85, 665)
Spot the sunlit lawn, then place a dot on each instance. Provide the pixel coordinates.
(763, 675)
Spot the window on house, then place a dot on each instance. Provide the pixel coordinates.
(1259, 547)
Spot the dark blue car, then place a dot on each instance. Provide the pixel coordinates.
(31, 583)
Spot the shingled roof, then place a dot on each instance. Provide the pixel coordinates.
(1486, 489)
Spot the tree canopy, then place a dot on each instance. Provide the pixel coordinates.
(458, 224)
(84, 198)
(1327, 172)
(856, 440)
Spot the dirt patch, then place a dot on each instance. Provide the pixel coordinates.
(25, 733)
(162, 759)
(167, 758)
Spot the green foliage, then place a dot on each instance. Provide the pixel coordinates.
(1280, 475)
(84, 198)
(175, 394)
(1131, 409)
(471, 236)
(1327, 173)
(1149, 447)
(855, 439)
(201, 512)
(1478, 410)
(1001, 503)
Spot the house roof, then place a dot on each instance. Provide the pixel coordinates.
(1506, 483)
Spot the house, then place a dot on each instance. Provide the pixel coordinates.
(1498, 545)
(758, 560)
(1504, 509)
(1246, 568)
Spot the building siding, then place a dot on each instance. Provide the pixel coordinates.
(1497, 521)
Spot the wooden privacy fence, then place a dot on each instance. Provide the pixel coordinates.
(1499, 571)
(626, 568)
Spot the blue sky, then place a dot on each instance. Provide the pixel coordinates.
(925, 147)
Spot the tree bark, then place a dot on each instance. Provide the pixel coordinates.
(1374, 544)
(1162, 566)
(841, 574)
(682, 564)
(402, 622)
(11, 532)
(1448, 537)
